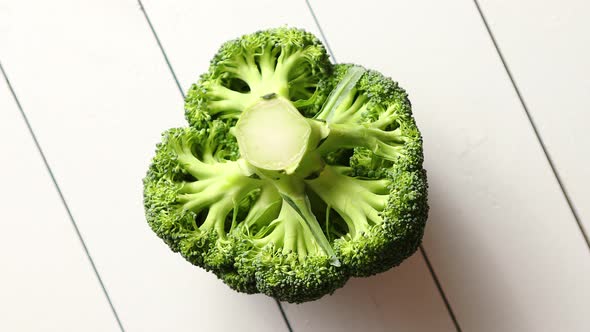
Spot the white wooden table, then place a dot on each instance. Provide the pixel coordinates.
(501, 91)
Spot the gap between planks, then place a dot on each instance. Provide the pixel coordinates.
(533, 124)
(62, 198)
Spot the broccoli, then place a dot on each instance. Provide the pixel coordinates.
(294, 174)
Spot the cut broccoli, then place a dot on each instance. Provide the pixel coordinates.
(294, 174)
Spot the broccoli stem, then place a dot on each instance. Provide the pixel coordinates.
(193, 165)
(342, 95)
(386, 118)
(267, 61)
(219, 193)
(276, 236)
(216, 216)
(270, 78)
(272, 135)
(385, 144)
(245, 69)
(265, 209)
(291, 235)
(342, 115)
(234, 99)
(349, 197)
(262, 75)
(292, 189)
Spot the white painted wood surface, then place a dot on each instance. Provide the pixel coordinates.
(501, 238)
(46, 280)
(98, 95)
(98, 92)
(402, 299)
(547, 47)
(360, 304)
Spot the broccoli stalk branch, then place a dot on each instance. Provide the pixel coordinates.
(357, 201)
(265, 209)
(339, 100)
(292, 190)
(290, 234)
(385, 144)
(219, 192)
(263, 73)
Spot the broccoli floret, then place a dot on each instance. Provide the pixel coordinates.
(288, 62)
(294, 175)
(192, 191)
(371, 116)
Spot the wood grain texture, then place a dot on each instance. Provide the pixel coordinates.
(98, 95)
(46, 283)
(500, 236)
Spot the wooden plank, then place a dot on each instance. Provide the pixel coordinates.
(47, 283)
(191, 33)
(98, 94)
(402, 299)
(547, 47)
(501, 238)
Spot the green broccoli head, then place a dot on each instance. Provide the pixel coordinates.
(294, 175)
